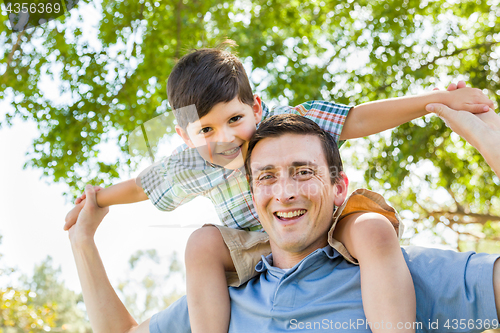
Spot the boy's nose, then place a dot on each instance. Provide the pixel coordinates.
(226, 135)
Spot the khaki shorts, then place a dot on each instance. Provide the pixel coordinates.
(247, 247)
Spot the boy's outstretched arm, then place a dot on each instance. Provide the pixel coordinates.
(122, 193)
(375, 117)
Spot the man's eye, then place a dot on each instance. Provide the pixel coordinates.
(265, 177)
(235, 119)
(304, 173)
(205, 130)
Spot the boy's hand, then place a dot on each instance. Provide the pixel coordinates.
(72, 215)
(468, 99)
(83, 196)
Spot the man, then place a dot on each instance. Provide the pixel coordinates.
(305, 285)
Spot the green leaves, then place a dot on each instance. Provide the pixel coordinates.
(108, 66)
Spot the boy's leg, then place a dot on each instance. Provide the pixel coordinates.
(207, 260)
(386, 284)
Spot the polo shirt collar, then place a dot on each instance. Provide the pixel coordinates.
(266, 264)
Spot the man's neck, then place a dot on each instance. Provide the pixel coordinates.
(287, 259)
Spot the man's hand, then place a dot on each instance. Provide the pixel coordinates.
(89, 217)
(72, 215)
(475, 128)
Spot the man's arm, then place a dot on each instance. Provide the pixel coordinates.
(481, 130)
(496, 285)
(375, 117)
(106, 312)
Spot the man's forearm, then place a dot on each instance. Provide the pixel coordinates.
(121, 193)
(375, 117)
(106, 312)
(491, 152)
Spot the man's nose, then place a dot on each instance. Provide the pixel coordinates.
(285, 190)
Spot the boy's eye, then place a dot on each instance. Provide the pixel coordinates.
(205, 130)
(235, 119)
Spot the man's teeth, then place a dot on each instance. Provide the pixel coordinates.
(231, 151)
(291, 214)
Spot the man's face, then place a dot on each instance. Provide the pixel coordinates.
(293, 193)
(221, 136)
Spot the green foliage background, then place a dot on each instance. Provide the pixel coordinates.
(39, 303)
(111, 59)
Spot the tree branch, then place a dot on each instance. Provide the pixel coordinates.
(473, 217)
(458, 51)
(460, 208)
(11, 55)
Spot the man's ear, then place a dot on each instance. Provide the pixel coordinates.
(182, 133)
(341, 188)
(257, 108)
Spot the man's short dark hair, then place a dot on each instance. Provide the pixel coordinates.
(206, 77)
(282, 124)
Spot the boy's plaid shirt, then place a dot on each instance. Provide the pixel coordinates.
(184, 175)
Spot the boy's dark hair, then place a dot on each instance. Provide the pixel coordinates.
(206, 77)
(282, 124)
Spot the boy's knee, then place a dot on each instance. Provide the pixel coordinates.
(204, 242)
(374, 230)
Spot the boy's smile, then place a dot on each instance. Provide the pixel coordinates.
(221, 136)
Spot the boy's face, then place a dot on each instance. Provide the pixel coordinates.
(221, 136)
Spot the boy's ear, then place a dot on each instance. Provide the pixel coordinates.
(182, 133)
(257, 108)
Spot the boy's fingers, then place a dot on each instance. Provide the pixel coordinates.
(477, 108)
(452, 86)
(461, 84)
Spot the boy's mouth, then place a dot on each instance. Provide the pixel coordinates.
(232, 152)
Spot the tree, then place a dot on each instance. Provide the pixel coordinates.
(49, 291)
(112, 79)
(40, 303)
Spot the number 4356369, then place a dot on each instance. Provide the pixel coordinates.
(33, 8)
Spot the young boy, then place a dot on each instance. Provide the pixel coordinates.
(217, 114)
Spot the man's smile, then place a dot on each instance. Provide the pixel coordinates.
(290, 214)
